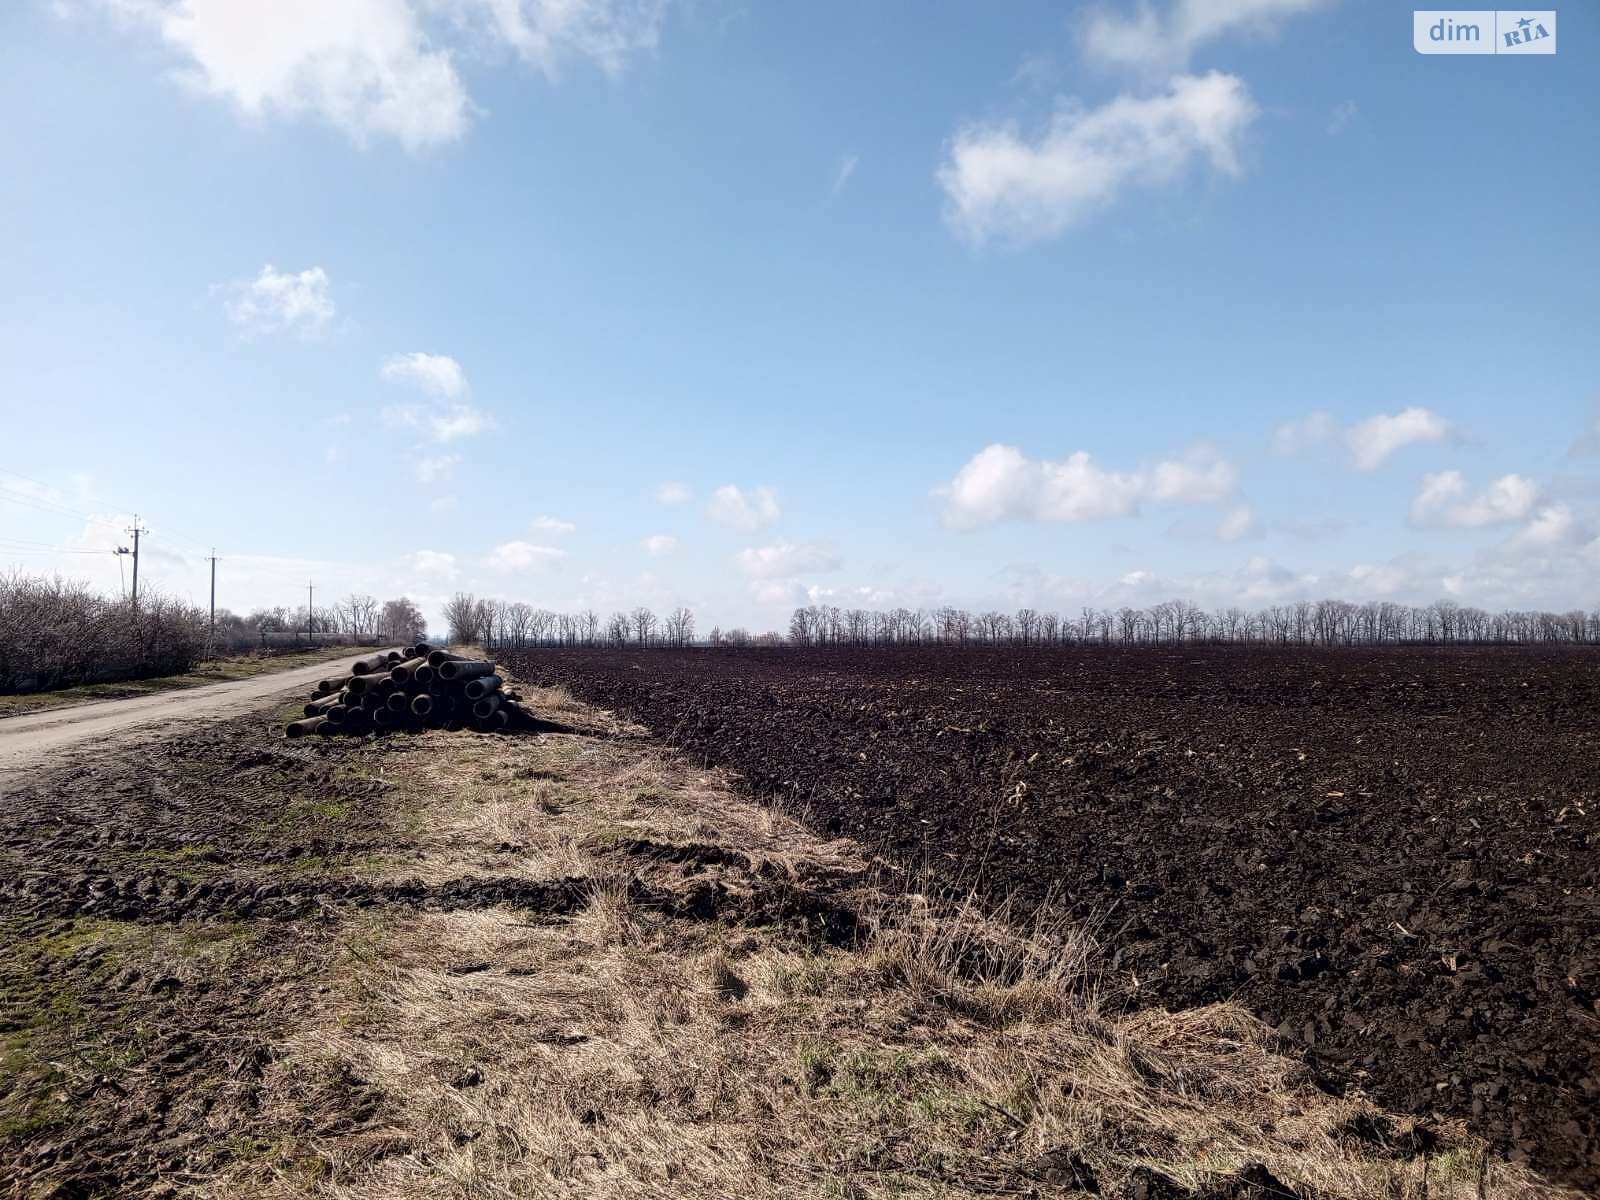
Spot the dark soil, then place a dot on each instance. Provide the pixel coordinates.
(1391, 855)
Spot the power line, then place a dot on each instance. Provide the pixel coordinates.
(49, 504)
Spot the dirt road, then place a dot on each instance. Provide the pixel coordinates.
(26, 740)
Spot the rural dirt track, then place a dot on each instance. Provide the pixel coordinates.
(26, 739)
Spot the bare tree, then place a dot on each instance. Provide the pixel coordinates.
(680, 627)
(461, 616)
(402, 621)
(644, 625)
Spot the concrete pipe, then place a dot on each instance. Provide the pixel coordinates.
(363, 685)
(338, 713)
(382, 718)
(495, 721)
(305, 728)
(480, 687)
(315, 708)
(406, 670)
(422, 706)
(371, 663)
(357, 722)
(327, 687)
(435, 657)
(423, 675)
(486, 708)
(398, 702)
(421, 650)
(327, 728)
(464, 668)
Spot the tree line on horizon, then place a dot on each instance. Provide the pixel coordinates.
(515, 624)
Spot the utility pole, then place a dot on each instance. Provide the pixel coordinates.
(308, 610)
(136, 531)
(213, 598)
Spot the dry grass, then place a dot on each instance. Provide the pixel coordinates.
(625, 1052)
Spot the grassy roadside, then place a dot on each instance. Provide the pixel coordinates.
(222, 670)
(461, 965)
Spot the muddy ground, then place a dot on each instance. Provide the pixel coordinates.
(463, 965)
(1389, 855)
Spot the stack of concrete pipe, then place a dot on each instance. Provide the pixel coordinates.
(412, 689)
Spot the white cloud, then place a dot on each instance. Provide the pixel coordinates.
(743, 510)
(1158, 42)
(1237, 524)
(522, 556)
(555, 525)
(1000, 183)
(436, 374)
(845, 169)
(1001, 482)
(435, 468)
(672, 492)
(1200, 475)
(446, 416)
(1553, 525)
(1372, 441)
(433, 562)
(1369, 443)
(658, 545)
(365, 66)
(378, 68)
(443, 504)
(783, 560)
(1444, 499)
(278, 301)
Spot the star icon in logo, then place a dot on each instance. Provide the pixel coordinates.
(1524, 23)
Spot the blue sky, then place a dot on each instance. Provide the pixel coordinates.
(1237, 300)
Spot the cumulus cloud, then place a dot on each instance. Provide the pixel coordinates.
(1445, 499)
(1001, 183)
(739, 509)
(1552, 525)
(514, 557)
(277, 301)
(1370, 442)
(435, 468)
(377, 68)
(1001, 482)
(549, 524)
(672, 492)
(445, 416)
(435, 563)
(1154, 41)
(784, 560)
(436, 374)
(658, 545)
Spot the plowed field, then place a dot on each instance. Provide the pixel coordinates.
(1391, 855)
